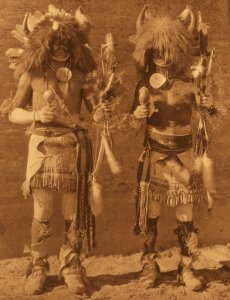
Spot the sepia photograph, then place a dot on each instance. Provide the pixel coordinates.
(115, 149)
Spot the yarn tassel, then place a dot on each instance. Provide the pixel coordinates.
(100, 158)
(113, 163)
(208, 177)
(96, 199)
(204, 165)
(198, 164)
(208, 173)
(209, 200)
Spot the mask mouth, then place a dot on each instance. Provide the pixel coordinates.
(59, 50)
(60, 53)
(161, 62)
(60, 56)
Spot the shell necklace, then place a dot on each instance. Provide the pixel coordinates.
(161, 78)
(63, 75)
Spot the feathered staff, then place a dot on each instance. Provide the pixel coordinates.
(200, 74)
(110, 83)
(202, 77)
(110, 88)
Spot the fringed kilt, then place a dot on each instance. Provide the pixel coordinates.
(59, 169)
(167, 178)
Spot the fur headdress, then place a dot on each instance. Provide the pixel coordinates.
(165, 36)
(38, 33)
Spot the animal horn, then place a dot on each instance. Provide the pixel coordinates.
(186, 14)
(24, 24)
(141, 17)
(192, 23)
(29, 22)
(183, 16)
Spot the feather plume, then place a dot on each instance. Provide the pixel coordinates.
(53, 10)
(55, 25)
(80, 17)
(19, 34)
(208, 174)
(113, 163)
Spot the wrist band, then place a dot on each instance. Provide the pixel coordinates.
(36, 118)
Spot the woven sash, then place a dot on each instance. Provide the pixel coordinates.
(168, 143)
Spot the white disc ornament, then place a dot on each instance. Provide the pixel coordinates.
(157, 80)
(64, 74)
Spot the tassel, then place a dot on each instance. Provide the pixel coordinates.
(198, 164)
(100, 158)
(96, 198)
(205, 165)
(210, 201)
(25, 188)
(208, 174)
(113, 163)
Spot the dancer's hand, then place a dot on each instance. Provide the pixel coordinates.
(45, 115)
(102, 111)
(107, 107)
(141, 112)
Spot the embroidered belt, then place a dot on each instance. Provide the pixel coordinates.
(49, 130)
(168, 143)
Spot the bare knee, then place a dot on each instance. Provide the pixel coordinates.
(154, 209)
(184, 212)
(43, 204)
(68, 205)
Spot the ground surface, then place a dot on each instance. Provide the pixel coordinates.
(113, 267)
(115, 277)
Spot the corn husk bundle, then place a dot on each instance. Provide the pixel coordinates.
(110, 88)
(111, 83)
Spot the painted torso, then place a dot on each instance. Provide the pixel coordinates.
(171, 109)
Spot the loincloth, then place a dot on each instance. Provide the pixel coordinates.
(56, 160)
(58, 171)
(173, 179)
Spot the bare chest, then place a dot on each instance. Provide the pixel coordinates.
(69, 92)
